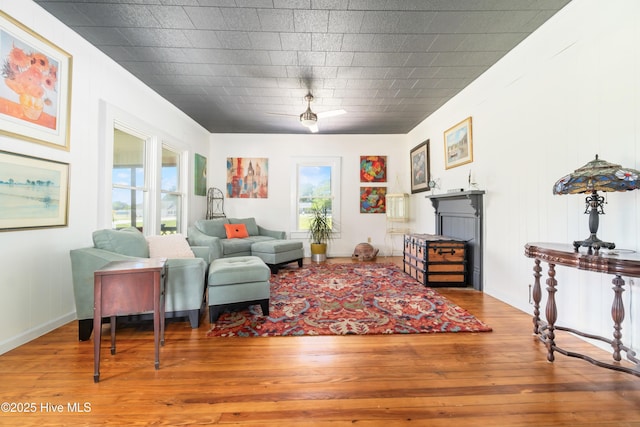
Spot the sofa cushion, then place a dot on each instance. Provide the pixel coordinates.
(236, 231)
(235, 247)
(213, 227)
(250, 223)
(127, 241)
(169, 246)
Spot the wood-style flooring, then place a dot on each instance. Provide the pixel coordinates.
(501, 378)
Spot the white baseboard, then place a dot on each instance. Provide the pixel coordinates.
(31, 334)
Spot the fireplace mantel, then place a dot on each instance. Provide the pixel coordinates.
(459, 214)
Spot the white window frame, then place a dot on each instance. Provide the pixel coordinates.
(112, 117)
(336, 168)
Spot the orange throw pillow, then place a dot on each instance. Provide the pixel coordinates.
(236, 231)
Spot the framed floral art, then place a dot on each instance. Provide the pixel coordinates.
(35, 88)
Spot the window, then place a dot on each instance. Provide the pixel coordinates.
(315, 181)
(128, 201)
(146, 180)
(170, 195)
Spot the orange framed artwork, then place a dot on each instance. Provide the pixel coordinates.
(35, 88)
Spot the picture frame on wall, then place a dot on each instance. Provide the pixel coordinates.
(458, 144)
(35, 88)
(373, 168)
(373, 199)
(420, 167)
(34, 192)
(200, 175)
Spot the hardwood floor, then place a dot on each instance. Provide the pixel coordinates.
(499, 378)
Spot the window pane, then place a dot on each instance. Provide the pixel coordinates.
(170, 171)
(128, 159)
(127, 208)
(169, 214)
(314, 189)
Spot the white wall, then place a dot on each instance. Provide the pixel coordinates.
(275, 211)
(569, 91)
(35, 282)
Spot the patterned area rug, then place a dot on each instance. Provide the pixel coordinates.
(343, 299)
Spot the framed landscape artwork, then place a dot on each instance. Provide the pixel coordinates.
(373, 200)
(458, 144)
(420, 169)
(373, 168)
(35, 88)
(34, 192)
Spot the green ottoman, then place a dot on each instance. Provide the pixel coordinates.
(276, 253)
(235, 282)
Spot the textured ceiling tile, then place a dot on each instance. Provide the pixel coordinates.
(234, 40)
(171, 17)
(370, 59)
(206, 18)
(103, 36)
(339, 59)
(265, 40)
(155, 37)
(283, 58)
(311, 58)
(295, 41)
(345, 21)
(311, 20)
(292, 4)
(276, 19)
(380, 22)
(241, 19)
(203, 38)
(326, 42)
(448, 42)
(119, 15)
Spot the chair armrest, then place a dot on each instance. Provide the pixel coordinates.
(281, 235)
(196, 238)
(202, 252)
(84, 263)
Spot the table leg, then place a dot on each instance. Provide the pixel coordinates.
(537, 296)
(112, 324)
(156, 318)
(97, 328)
(551, 312)
(617, 313)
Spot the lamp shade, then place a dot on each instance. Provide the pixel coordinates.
(598, 175)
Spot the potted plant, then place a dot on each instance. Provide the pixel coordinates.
(320, 232)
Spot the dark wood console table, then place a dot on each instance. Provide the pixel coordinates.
(619, 263)
(128, 287)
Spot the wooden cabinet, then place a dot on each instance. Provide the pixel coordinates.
(435, 260)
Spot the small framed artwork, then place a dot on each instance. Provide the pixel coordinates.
(373, 168)
(34, 192)
(373, 199)
(458, 144)
(35, 88)
(420, 169)
(200, 175)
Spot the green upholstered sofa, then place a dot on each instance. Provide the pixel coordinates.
(269, 245)
(185, 276)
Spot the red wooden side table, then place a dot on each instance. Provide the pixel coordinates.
(128, 287)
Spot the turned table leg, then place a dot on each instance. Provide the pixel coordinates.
(537, 296)
(617, 313)
(551, 312)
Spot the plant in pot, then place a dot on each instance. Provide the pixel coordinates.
(320, 232)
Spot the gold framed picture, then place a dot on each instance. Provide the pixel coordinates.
(35, 89)
(458, 144)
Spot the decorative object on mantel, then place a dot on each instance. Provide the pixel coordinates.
(458, 144)
(597, 175)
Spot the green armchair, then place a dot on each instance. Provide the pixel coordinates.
(185, 276)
